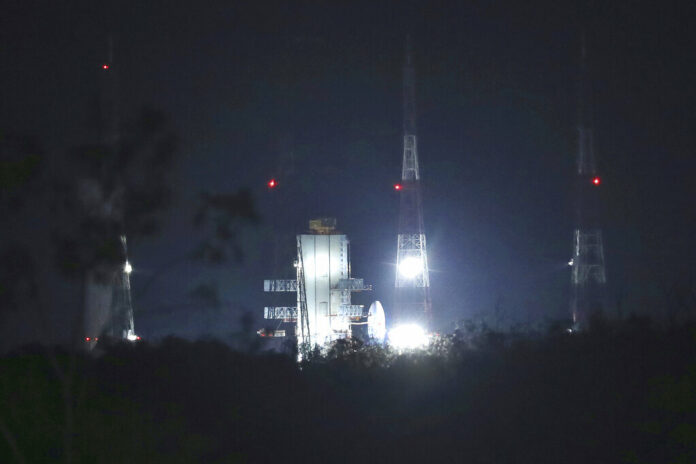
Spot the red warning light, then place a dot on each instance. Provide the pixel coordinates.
(397, 187)
(87, 339)
(272, 183)
(105, 66)
(596, 180)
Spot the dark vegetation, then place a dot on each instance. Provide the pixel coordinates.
(621, 392)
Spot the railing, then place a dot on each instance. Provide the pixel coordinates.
(280, 312)
(280, 285)
(353, 284)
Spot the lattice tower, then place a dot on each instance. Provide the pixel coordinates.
(412, 280)
(588, 276)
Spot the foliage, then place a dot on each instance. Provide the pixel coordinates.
(223, 214)
(110, 189)
(21, 159)
(622, 394)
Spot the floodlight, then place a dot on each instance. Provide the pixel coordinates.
(410, 267)
(127, 268)
(408, 337)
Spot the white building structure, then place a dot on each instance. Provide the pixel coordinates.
(324, 311)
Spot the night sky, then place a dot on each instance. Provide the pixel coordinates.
(310, 93)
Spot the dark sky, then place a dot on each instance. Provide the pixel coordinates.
(310, 92)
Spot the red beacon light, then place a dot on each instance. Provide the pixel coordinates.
(596, 180)
(398, 186)
(105, 66)
(272, 183)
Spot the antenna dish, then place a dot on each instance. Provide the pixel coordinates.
(376, 322)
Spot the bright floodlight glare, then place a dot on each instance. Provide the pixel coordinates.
(409, 336)
(127, 268)
(410, 267)
(130, 336)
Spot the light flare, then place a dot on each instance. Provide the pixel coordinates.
(410, 267)
(408, 337)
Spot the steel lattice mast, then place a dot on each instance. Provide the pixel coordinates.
(122, 323)
(108, 305)
(588, 277)
(412, 282)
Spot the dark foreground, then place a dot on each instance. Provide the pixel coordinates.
(616, 394)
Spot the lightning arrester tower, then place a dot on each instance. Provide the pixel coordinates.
(412, 282)
(588, 276)
(108, 305)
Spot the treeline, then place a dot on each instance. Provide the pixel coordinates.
(621, 392)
